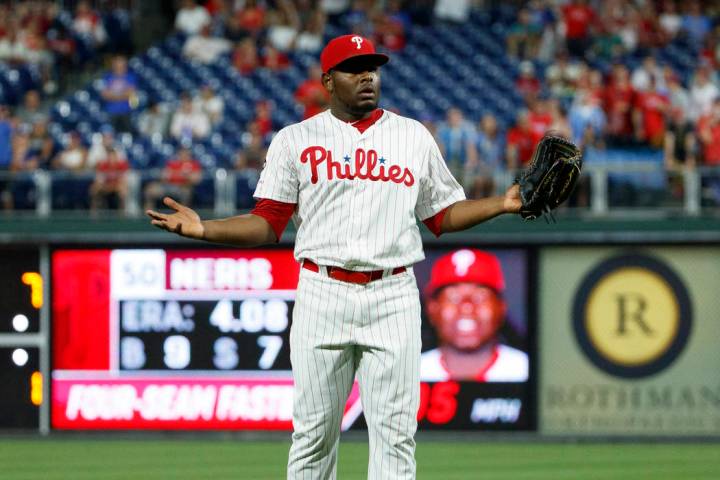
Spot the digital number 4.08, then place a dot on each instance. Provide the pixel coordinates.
(254, 316)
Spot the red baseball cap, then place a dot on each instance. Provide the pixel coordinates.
(467, 265)
(342, 48)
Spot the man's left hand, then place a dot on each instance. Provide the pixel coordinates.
(512, 202)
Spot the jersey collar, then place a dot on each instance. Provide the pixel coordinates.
(365, 123)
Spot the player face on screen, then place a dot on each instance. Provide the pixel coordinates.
(355, 84)
(466, 316)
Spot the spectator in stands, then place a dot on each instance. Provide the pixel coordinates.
(88, 24)
(539, 118)
(210, 104)
(311, 93)
(490, 158)
(455, 11)
(102, 146)
(578, 18)
(703, 93)
(30, 111)
(710, 53)
(245, 56)
(618, 100)
(560, 124)
(523, 36)
(191, 18)
(334, 9)
(38, 54)
(649, 71)
(6, 157)
(204, 48)
(563, 75)
(649, 116)
(389, 27)
(456, 139)
(670, 20)
(608, 45)
(110, 183)
(680, 143)
(357, 19)
(519, 143)
(251, 17)
(41, 147)
(153, 122)
(12, 48)
(708, 128)
(263, 117)
(709, 135)
(650, 35)
(695, 23)
(188, 124)
(283, 26)
(678, 95)
(310, 39)
(73, 158)
(179, 177)
(249, 160)
(118, 91)
(527, 83)
(587, 119)
(273, 59)
(20, 145)
(233, 31)
(63, 47)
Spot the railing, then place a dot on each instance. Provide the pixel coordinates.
(610, 189)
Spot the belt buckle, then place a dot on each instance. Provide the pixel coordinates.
(359, 277)
(348, 276)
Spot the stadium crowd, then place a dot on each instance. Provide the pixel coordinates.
(590, 70)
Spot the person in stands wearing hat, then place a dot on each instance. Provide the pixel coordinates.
(464, 304)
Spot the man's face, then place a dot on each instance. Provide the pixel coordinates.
(355, 83)
(466, 315)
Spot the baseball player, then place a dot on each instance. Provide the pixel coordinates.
(465, 305)
(354, 178)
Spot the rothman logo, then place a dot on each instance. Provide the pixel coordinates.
(632, 316)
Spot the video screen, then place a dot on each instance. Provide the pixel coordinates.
(170, 339)
(475, 362)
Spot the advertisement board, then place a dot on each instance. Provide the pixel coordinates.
(628, 341)
(169, 339)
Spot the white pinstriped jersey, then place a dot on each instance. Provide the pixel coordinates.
(358, 194)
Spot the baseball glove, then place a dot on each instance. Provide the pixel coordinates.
(550, 177)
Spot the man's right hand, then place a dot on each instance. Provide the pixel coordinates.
(184, 221)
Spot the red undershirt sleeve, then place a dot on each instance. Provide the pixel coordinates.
(276, 213)
(434, 223)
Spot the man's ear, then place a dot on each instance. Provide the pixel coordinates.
(327, 81)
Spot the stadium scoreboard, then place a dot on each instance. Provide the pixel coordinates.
(21, 298)
(172, 339)
(186, 339)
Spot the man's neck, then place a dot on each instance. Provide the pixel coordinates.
(348, 116)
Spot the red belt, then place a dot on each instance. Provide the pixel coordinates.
(350, 276)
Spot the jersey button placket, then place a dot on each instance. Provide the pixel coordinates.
(353, 213)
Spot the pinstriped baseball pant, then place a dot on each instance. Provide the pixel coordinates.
(341, 330)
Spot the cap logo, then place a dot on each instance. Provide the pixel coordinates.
(462, 259)
(357, 41)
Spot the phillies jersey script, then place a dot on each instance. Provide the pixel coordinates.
(358, 194)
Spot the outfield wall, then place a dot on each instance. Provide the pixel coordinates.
(617, 320)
